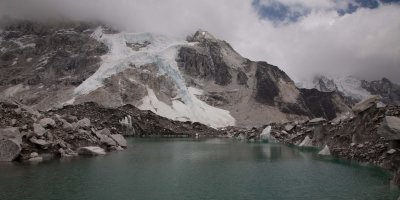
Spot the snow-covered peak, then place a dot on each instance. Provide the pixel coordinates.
(349, 86)
(202, 34)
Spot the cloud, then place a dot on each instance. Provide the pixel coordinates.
(363, 43)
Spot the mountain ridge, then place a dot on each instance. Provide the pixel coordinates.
(202, 79)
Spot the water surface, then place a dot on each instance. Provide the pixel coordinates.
(172, 169)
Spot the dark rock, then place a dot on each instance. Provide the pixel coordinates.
(242, 78)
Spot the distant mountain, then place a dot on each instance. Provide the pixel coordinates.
(353, 89)
(199, 79)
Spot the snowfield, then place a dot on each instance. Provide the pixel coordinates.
(162, 51)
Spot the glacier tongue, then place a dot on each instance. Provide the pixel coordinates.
(161, 51)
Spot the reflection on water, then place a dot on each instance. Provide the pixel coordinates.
(197, 169)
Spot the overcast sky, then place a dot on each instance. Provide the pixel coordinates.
(302, 37)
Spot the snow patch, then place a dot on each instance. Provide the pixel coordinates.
(197, 110)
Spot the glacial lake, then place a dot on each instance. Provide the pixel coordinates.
(209, 169)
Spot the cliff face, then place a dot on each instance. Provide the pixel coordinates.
(389, 91)
(255, 93)
(355, 90)
(202, 79)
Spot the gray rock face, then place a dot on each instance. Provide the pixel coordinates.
(40, 142)
(10, 143)
(389, 91)
(9, 149)
(83, 123)
(390, 128)
(103, 136)
(47, 123)
(38, 130)
(91, 151)
(119, 139)
(289, 127)
(366, 104)
(242, 86)
(10, 132)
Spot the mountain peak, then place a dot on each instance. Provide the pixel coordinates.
(200, 36)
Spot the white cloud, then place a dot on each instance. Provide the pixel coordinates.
(364, 43)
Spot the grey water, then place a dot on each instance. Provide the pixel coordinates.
(196, 169)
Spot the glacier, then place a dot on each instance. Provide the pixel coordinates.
(162, 51)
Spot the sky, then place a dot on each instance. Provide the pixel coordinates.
(302, 37)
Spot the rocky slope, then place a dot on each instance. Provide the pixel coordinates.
(85, 129)
(355, 90)
(202, 79)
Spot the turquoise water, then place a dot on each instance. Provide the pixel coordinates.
(190, 169)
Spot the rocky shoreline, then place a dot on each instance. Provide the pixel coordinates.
(367, 137)
(85, 129)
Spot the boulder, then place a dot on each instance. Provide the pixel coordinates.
(66, 125)
(119, 139)
(391, 151)
(47, 123)
(36, 159)
(83, 123)
(316, 121)
(390, 128)
(67, 153)
(307, 142)
(9, 149)
(41, 143)
(366, 104)
(10, 133)
(33, 155)
(102, 135)
(289, 127)
(13, 122)
(380, 105)
(325, 151)
(38, 130)
(91, 151)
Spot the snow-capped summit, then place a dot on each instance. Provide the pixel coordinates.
(201, 35)
(353, 88)
(348, 86)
